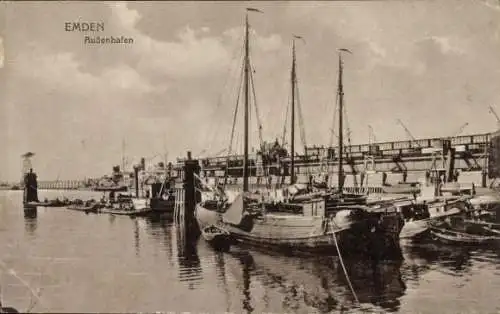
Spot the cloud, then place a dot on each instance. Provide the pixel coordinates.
(492, 4)
(125, 78)
(447, 45)
(2, 52)
(191, 56)
(388, 41)
(63, 71)
(177, 82)
(125, 17)
(271, 43)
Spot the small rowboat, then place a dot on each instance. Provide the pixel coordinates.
(490, 227)
(454, 237)
(52, 203)
(93, 208)
(216, 236)
(34, 204)
(495, 231)
(128, 212)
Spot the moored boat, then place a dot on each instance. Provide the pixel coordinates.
(127, 211)
(306, 223)
(417, 215)
(353, 229)
(87, 208)
(457, 230)
(488, 226)
(455, 237)
(217, 237)
(49, 203)
(494, 230)
(140, 203)
(118, 188)
(34, 204)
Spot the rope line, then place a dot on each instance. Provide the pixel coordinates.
(229, 74)
(257, 115)
(283, 137)
(235, 116)
(342, 264)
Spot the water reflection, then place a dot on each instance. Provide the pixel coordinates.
(319, 283)
(159, 228)
(137, 238)
(220, 269)
(454, 260)
(170, 270)
(248, 265)
(30, 219)
(187, 257)
(379, 284)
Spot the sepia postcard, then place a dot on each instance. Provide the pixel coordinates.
(250, 156)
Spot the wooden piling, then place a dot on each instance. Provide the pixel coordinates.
(191, 196)
(136, 181)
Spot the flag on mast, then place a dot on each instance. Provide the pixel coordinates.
(299, 37)
(254, 10)
(345, 50)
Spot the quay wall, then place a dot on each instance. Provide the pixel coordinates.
(473, 159)
(476, 160)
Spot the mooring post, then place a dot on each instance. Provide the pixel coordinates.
(191, 196)
(30, 187)
(136, 180)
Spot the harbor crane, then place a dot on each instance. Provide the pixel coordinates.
(496, 116)
(371, 135)
(460, 130)
(408, 132)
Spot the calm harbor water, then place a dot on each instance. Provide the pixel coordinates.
(101, 263)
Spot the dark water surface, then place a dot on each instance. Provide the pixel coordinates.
(101, 263)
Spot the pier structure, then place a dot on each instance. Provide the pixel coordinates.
(470, 159)
(61, 185)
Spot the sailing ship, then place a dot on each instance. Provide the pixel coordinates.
(317, 187)
(311, 226)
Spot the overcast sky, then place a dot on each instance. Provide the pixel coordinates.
(433, 64)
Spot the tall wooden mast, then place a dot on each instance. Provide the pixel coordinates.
(246, 79)
(247, 100)
(292, 135)
(341, 127)
(341, 118)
